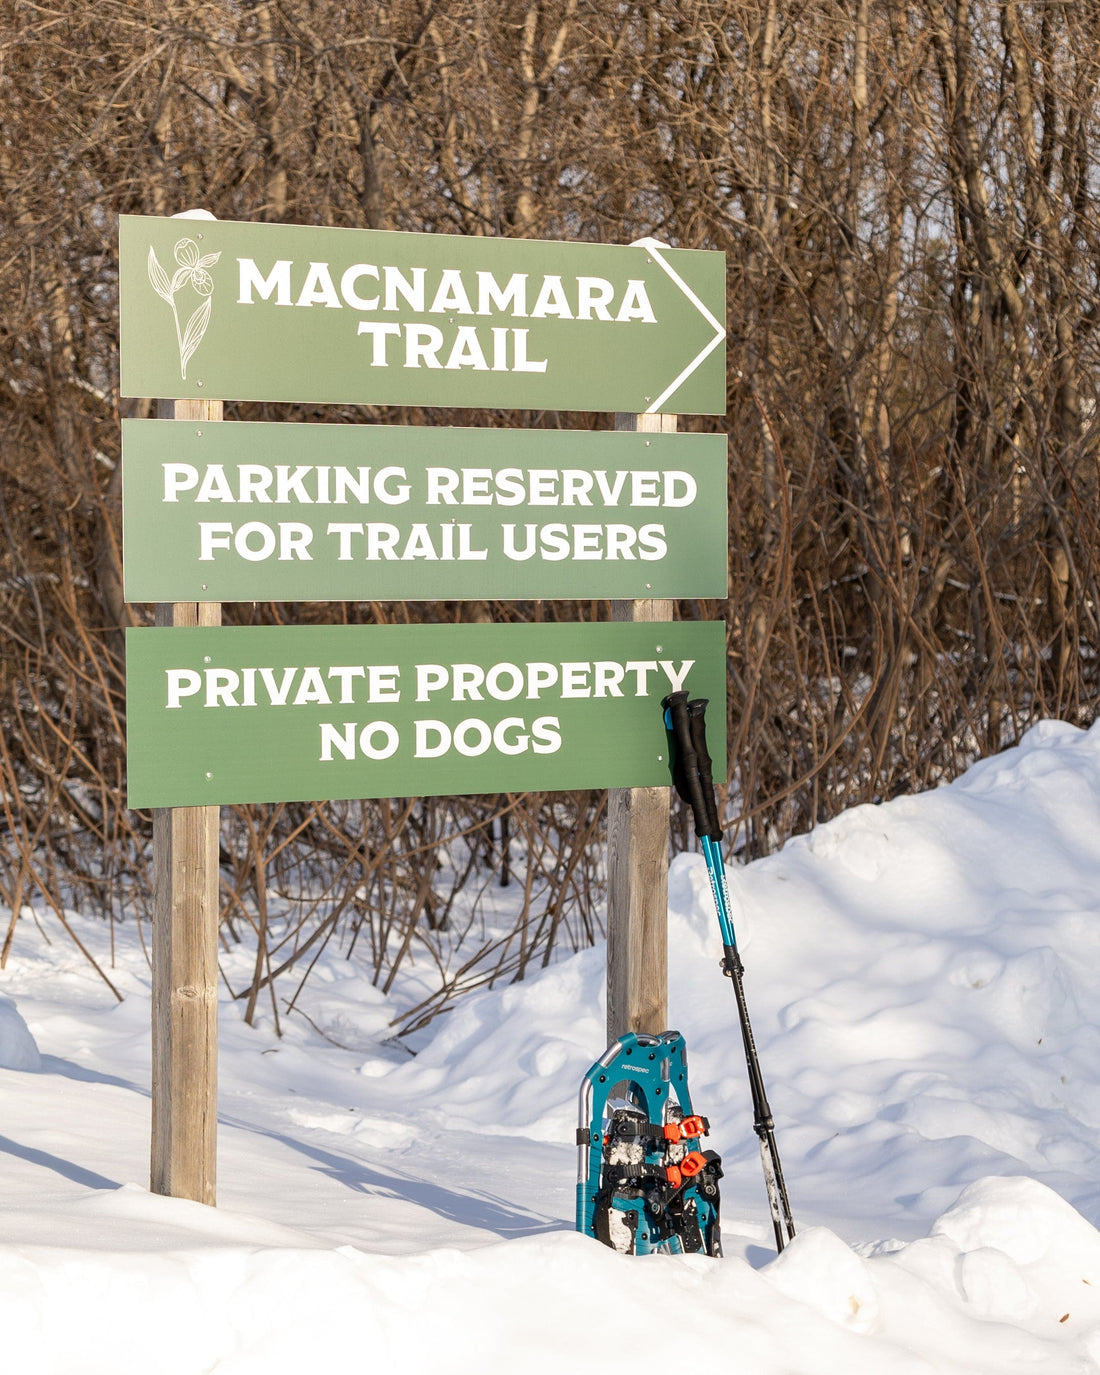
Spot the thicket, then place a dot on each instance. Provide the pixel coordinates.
(906, 194)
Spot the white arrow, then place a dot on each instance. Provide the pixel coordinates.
(655, 247)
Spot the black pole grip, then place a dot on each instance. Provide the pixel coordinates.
(685, 768)
(698, 726)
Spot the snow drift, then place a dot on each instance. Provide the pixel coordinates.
(922, 978)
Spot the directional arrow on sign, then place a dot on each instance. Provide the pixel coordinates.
(297, 313)
(659, 251)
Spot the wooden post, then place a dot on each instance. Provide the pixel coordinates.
(637, 867)
(185, 956)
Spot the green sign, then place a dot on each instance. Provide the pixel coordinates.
(258, 512)
(271, 312)
(311, 713)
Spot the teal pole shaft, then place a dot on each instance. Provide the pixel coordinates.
(686, 723)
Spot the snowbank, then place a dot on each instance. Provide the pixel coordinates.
(17, 1046)
(922, 978)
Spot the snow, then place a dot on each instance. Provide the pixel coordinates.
(922, 978)
(17, 1046)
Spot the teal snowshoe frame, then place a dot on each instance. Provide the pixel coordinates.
(641, 1188)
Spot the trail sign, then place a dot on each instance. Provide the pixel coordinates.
(308, 713)
(271, 312)
(268, 512)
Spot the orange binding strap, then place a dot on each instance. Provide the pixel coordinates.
(689, 1127)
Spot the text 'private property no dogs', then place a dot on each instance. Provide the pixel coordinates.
(383, 711)
(295, 313)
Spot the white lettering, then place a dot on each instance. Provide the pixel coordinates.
(344, 531)
(543, 484)
(551, 300)
(513, 296)
(382, 541)
(607, 677)
(511, 549)
(277, 696)
(520, 362)
(430, 678)
(382, 683)
(501, 741)
(291, 486)
(466, 681)
(621, 539)
(651, 538)
(244, 534)
(347, 484)
(593, 294)
(466, 351)
(472, 737)
(546, 731)
(311, 689)
(221, 684)
(294, 541)
(688, 488)
(635, 304)
(610, 491)
(253, 481)
(476, 486)
(674, 677)
(346, 673)
(493, 682)
(182, 682)
(425, 747)
(277, 281)
(214, 485)
(179, 477)
(398, 284)
(332, 738)
(539, 676)
(576, 484)
(422, 345)
(510, 487)
(390, 737)
(399, 495)
(317, 289)
(379, 334)
(442, 485)
(641, 668)
(450, 294)
(643, 488)
(347, 286)
(213, 534)
(574, 680)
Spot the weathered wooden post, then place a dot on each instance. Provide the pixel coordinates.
(637, 864)
(185, 956)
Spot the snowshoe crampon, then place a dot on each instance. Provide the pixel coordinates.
(643, 1183)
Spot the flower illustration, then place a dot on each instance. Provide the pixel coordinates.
(191, 270)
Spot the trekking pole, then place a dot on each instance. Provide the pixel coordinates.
(692, 776)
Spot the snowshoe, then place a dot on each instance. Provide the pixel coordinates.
(642, 1183)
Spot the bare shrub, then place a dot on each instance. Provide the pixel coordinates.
(907, 200)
